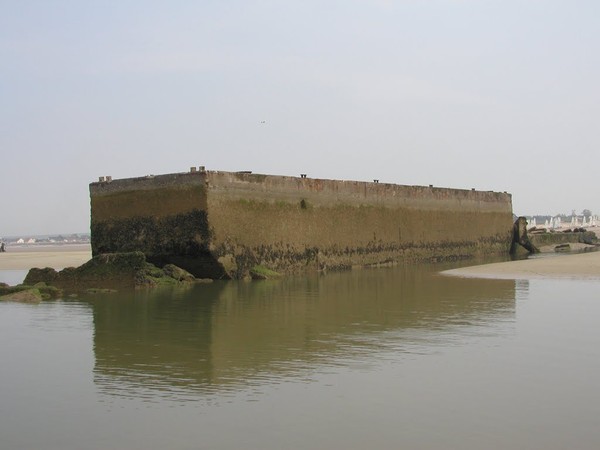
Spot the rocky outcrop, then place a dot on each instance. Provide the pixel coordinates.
(31, 295)
(27, 293)
(111, 271)
(521, 240)
(564, 237)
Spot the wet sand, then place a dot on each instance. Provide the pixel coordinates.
(570, 266)
(57, 257)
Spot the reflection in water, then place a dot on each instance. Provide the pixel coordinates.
(219, 337)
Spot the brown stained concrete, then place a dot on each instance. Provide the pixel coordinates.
(227, 222)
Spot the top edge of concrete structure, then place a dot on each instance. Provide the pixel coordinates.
(202, 172)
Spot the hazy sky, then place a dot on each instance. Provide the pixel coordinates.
(492, 94)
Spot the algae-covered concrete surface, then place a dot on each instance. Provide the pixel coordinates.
(544, 239)
(222, 224)
(165, 217)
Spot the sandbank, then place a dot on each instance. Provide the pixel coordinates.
(569, 266)
(57, 257)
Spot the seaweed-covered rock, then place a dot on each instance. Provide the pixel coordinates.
(46, 275)
(29, 295)
(263, 273)
(562, 248)
(46, 292)
(102, 271)
(520, 239)
(110, 271)
(588, 237)
(178, 273)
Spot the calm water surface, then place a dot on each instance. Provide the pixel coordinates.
(382, 359)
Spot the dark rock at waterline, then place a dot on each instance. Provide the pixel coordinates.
(111, 271)
(45, 275)
(520, 239)
(262, 273)
(29, 295)
(13, 292)
(177, 273)
(588, 237)
(562, 248)
(535, 230)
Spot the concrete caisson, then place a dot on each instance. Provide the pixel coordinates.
(224, 224)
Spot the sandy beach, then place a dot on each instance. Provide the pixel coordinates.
(569, 266)
(57, 257)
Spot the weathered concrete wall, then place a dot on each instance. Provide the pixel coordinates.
(543, 239)
(286, 223)
(164, 216)
(223, 223)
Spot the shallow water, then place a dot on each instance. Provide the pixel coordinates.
(384, 358)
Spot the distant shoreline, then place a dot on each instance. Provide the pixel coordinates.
(46, 247)
(56, 256)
